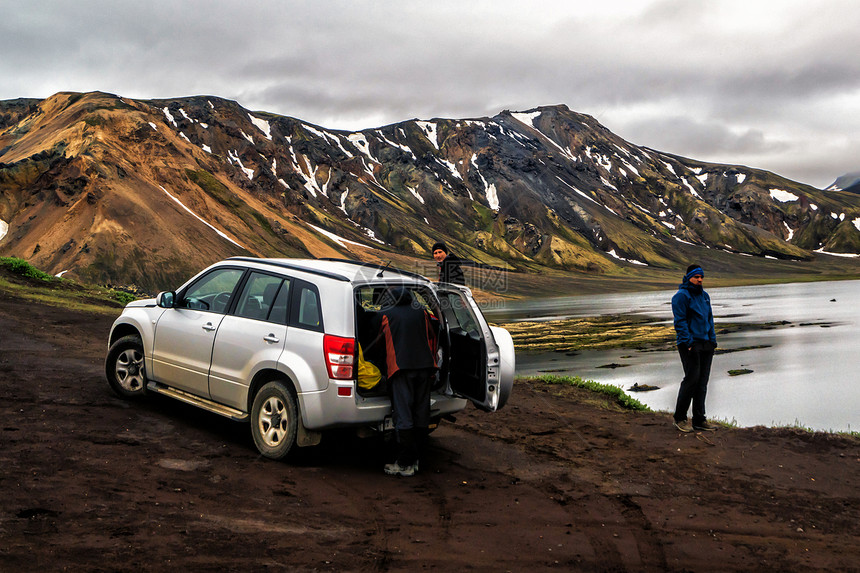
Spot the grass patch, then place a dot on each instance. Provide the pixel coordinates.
(214, 188)
(24, 269)
(800, 427)
(739, 371)
(20, 279)
(615, 331)
(95, 121)
(617, 394)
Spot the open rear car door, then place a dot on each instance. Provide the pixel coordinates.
(481, 362)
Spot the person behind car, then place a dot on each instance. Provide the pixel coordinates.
(410, 334)
(450, 270)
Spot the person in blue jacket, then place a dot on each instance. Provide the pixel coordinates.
(696, 340)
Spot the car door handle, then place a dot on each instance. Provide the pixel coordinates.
(208, 327)
(271, 338)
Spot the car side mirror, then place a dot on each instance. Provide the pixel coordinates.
(166, 299)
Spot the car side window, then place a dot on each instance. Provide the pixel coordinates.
(258, 297)
(213, 291)
(281, 305)
(307, 313)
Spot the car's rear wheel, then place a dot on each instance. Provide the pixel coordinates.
(124, 367)
(274, 420)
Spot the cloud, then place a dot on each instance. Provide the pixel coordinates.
(701, 139)
(723, 80)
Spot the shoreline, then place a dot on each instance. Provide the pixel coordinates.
(644, 333)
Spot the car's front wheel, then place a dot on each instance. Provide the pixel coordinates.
(124, 367)
(274, 420)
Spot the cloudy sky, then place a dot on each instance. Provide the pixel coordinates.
(773, 85)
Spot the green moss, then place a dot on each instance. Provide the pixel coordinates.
(612, 331)
(739, 371)
(122, 297)
(618, 394)
(23, 268)
(213, 187)
(845, 239)
(263, 222)
(95, 121)
(20, 279)
(485, 217)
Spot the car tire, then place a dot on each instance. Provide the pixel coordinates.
(274, 420)
(124, 367)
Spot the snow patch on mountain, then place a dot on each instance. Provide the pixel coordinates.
(564, 151)
(199, 218)
(630, 167)
(689, 187)
(613, 254)
(821, 251)
(414, 192)
(451, 167)
(343, 197)
(577, 191)
(490, 191)
(360, 142)
(404, 148)
(428, 128)
(783, 196)
(169, 116)
(234, 156)
(262, 125)
(336, 238)
(526, 118)
(608, 184)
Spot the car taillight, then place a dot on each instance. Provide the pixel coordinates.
(339, 356)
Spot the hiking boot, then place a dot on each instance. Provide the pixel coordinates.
(704, 427)
(682, 426)
(396, 469)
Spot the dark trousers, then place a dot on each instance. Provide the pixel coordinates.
(410, 399)
(694, 386)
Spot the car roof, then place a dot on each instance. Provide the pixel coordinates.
(338, 269)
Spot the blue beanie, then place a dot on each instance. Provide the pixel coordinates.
(694, 272)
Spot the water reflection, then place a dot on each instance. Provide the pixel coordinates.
(807, 373)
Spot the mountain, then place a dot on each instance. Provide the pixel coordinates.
(849, 182)
(118, 191)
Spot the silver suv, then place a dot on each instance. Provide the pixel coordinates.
(275, 341)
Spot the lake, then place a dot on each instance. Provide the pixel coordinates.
(808, 374)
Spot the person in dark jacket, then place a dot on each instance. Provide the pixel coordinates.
(449, 265)
(696, 340)
(410, 335)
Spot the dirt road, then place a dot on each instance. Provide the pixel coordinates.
(557, 480)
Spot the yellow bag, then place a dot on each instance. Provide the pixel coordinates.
(368, 374)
